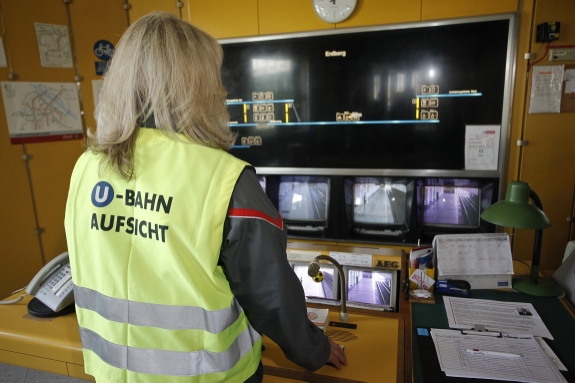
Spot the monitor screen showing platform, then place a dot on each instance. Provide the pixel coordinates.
(379, 203)
(449, 205)
(326, 289)
(303, 199)
(370, 286)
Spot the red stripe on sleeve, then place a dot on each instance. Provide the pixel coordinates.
(256, 214)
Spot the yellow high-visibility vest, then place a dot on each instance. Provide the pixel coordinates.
(152, 303)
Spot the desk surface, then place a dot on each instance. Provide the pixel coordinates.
(54, 346)
(372, 350)
(554, 314)
(51, 345)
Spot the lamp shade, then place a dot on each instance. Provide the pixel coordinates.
(516, 211)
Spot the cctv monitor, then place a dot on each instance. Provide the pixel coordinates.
(378, 206)
(371, 288)
(314, 291)
(379, 202)
(451, 206)
(303, 202)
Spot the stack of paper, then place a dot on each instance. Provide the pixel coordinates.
(496, 340)
(509, 357)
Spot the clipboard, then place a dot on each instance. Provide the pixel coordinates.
(431, 370)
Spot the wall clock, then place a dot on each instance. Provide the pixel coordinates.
(334, 11)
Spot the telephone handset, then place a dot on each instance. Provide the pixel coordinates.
(53, 284)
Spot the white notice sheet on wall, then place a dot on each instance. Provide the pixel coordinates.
(546, 85)
(569, 81)
(482, 147)
(96, 89)
(54, 45)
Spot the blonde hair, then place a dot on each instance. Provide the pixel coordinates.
(166, 68)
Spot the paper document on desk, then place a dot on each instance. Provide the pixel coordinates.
(493, 359)
(473, 254)
(550, 354)
(506, 317)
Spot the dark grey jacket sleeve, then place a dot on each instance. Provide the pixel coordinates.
(254, 260)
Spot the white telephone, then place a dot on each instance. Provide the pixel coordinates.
(53, 284)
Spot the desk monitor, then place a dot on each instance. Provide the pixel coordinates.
(378, 205)
(451, 206)
(327, 289)
(303, 202)
(371, 288)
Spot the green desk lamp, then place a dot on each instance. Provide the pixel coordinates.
(516, 211)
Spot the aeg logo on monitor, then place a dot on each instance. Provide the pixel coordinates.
(102, 194)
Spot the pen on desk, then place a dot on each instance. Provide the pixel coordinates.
(476, 351)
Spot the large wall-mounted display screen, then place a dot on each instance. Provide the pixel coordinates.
(366, 98)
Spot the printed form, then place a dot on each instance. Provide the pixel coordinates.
(482, 147)
(473, 254)
(506, 317)
(529, 364)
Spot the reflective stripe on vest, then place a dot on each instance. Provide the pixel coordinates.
(162, 316)
(164, 362)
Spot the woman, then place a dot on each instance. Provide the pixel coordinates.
(178, 257)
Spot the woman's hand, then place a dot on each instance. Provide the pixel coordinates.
(337, 356)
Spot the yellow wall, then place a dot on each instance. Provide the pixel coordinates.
(142, 7)
(51, 163)
(547, 163)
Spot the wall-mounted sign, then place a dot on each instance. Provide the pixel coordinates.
(54, 45)
(104, 50)
(101, 67)
(42, 111)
